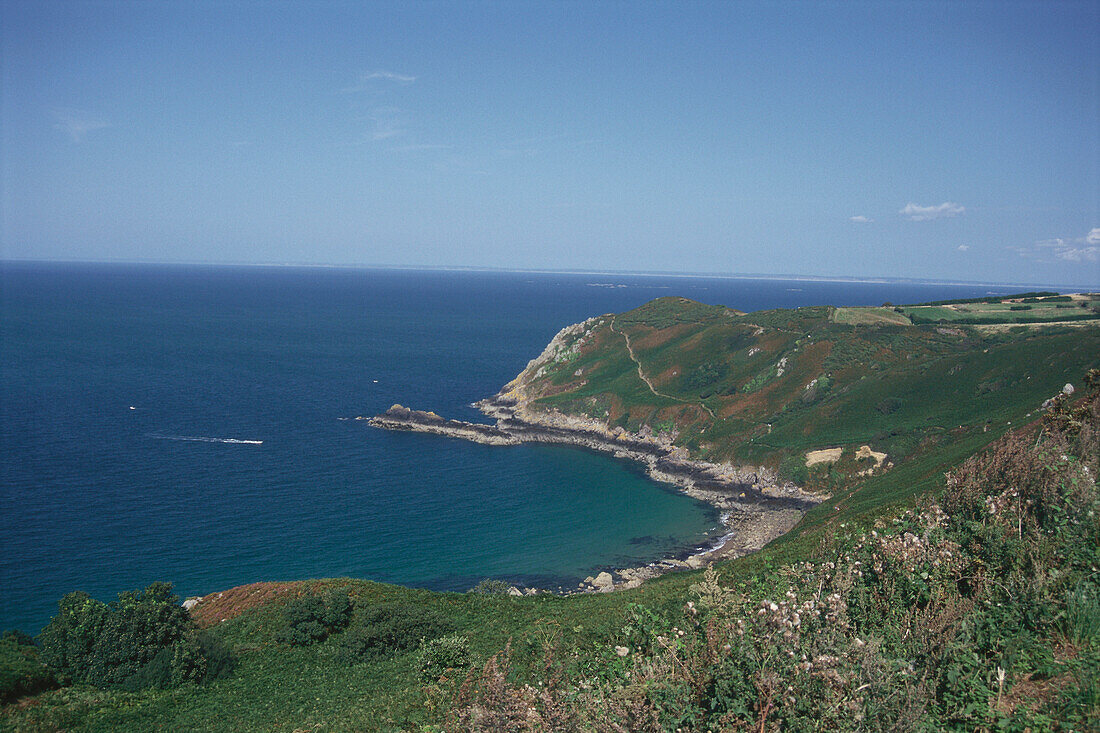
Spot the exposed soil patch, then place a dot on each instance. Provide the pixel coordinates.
(222, 606)
(825, 455)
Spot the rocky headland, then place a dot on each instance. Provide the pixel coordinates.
(755, 506)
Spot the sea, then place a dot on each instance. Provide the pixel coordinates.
(193, 424)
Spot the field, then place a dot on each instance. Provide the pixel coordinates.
(869, 317)
(1010, 310)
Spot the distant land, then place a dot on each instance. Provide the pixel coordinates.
(1008, 287)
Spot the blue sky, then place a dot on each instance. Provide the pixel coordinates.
(926, 140)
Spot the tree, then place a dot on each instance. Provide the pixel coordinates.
(122, 643)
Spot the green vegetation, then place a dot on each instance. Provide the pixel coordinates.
(388, 629)
(776, 384)
(869, 316)
(1023, 308)
(993, 298)
(903, 602)
(440, 656)
(142, 639)
(312, 619)
(21, 671)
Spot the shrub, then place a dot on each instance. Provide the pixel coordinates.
(491, 587)
(304, 621)
(793, 468)
(337, 610)
(889, 405)
(391, 628)
(21, 672)
(107, 644)
(439, 655)
(312, 618)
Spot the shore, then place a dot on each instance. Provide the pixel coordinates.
(754, 506)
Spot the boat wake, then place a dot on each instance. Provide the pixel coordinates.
(204, 439)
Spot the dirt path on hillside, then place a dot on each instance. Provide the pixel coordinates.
(644, 378)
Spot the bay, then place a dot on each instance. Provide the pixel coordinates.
(183, 423)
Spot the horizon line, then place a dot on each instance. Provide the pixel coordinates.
(785, 277)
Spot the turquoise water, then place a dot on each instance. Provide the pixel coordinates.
(182, 423)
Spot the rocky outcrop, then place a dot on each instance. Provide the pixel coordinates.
(756, 507)
(402, 418)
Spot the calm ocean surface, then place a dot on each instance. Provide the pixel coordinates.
(124, 387)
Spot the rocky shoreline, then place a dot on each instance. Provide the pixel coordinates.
(755, 507)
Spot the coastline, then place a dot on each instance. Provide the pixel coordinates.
(753, 505)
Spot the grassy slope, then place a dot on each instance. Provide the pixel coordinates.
(939, 388)
(785, 382)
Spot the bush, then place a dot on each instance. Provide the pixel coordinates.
(491, 587)
(143, 639)
(107, 644)
(793, 468)
(439, 655)
(391, 628)
(21, 672)
(337, 610)
(312, 619)
(889, 405)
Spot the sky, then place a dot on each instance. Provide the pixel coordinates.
(915, 140)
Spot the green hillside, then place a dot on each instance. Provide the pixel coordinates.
(768, 387)
(952, 585)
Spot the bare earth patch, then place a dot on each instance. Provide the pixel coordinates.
(217, 607)
(866, 452)
(825, 455)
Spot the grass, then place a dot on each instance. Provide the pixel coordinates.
(1018, 310)
(930, 399)
(869, 317)
(884, 383)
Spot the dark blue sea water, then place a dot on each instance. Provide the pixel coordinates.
(122, 387)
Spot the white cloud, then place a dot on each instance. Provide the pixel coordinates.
(916, 212)
(415, 147)
(367, 77)
(1077, 249)
(1079, 254)
(389, 76)
(1052, 243)
(964, 247)
(861, 219)
(78, 123)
